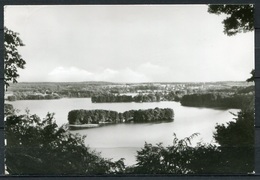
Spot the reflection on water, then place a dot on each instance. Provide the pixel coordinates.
(122, 140)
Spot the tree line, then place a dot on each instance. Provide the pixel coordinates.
(79, 117)
(25, 96)
(36, 95)
(216, 100)
(150, 97)
(126, 98)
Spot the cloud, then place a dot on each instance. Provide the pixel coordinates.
(129, 75)
(61, 74)
(74, 74)
(153, 71)
(152, 68)
(123, 75)
(105, 75)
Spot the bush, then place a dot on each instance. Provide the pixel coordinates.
(37, 146)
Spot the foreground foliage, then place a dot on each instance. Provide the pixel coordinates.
(12, 59)
(37, 146)
(237, 142)
(234, 153)
(240, 18)
(179, 158)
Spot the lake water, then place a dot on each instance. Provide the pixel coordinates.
(123, 140)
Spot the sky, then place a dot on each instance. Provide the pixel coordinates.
(128, 43)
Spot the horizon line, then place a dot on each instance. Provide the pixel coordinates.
(146, 82)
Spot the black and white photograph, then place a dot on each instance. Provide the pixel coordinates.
(129, 89)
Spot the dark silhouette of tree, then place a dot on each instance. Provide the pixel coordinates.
(236, 141)
(36, 146)
(12, 59)
(237, 138)
(240, 18)
(252, 78)
(174, 159)
(234, 154)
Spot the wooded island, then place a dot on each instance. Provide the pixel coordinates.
(83, 117)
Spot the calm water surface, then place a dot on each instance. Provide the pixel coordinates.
(123, 140)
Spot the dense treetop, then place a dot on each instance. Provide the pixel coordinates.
(240, 18)
(36, 146)
(12, 59)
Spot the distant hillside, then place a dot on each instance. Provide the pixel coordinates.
(114, 87)
(65, 83)
(51, 85)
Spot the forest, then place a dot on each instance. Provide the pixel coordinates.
(155, 97)
(79, 117)
(216, 100)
